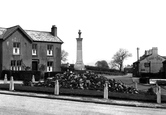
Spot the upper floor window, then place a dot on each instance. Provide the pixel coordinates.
(34, 49)
(16, 48)
(49, 66)
(49, 50)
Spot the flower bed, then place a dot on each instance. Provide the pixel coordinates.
(86, 81)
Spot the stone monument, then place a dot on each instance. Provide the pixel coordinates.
(79, 62)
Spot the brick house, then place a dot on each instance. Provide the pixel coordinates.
(21, 49)
(150, 62)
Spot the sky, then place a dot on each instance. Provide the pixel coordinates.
(106, 25)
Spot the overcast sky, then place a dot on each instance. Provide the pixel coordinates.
(106, 25)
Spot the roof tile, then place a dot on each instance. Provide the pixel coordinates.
(43, 36)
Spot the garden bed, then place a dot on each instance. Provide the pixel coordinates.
(80, 92)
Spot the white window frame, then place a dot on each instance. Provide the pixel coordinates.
(49, 68)
(49, 50)
(16, 49)
(13, 66)
(34, 51)
(18, 68)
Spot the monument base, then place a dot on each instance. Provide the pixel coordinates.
(79, 66)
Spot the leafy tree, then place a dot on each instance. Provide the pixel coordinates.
(42, 69)
(102, 64)
(64, 55)
(118, 58)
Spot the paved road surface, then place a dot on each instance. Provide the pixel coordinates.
(21, 105)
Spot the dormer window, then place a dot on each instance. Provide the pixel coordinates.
(34, 49)
(16, 48)
(49, 50)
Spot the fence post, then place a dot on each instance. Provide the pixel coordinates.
(56, 90)
(11, 85)
(136, 85)
(33, 78)
(5, 79)
(158, 93)
(106, 90)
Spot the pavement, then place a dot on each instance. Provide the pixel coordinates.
(88, 99)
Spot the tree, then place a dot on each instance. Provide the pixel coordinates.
(118, 58)
(42, 69)
(64, 55)
(102, 64)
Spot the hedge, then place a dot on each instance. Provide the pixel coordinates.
(21, 75)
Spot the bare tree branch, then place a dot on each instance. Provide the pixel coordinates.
(118, 58)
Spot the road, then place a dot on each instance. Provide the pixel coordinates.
(22, 105)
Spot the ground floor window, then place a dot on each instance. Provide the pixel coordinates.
(49, 66)
(15, 65)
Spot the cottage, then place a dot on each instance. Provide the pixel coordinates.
(27, 49)
(150, 62)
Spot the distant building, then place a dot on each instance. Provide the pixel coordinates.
(150, 62)
(128, 69)
(21, 49)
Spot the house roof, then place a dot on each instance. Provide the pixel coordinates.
(43, 36)
(6, 32)
(2, 31)
(31, 34)
(145, 56)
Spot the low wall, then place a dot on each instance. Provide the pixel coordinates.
(89, 93)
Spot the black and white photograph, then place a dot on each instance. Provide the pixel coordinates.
(82, 57)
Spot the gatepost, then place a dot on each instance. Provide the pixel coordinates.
(5, 79)
(33, 80)
(106, 90)
(11, 85)
(56, 90)
(158, 93)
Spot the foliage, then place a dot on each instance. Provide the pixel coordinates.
(64, 55)
(89, 81)
(118, 58)
(42, 69)
(102, 64)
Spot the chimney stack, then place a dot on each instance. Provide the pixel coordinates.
(154, 51)
(54, 30)
(146, 52)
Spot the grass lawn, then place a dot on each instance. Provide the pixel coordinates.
(128, 80)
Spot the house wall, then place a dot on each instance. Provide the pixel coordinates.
(25, 50)
(156, 64)
(43, 58)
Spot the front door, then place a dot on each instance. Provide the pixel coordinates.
(35, 65)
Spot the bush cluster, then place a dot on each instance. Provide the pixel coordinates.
(89, 81)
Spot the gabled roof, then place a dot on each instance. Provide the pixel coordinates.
(43, 36)
(145, 56)
(31, 34)
(6, 32)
